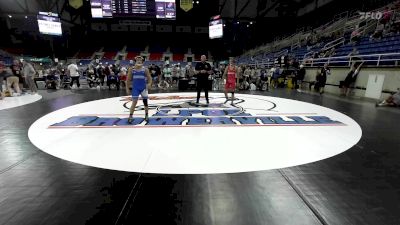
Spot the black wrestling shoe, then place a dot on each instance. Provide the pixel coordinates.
(130, 120)
(146, 118)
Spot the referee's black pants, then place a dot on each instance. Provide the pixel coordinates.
(202, 84)
(75, 79)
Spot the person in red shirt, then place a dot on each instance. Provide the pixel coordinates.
(230, 76)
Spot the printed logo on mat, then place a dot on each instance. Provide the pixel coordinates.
(182, 111)
(252, 134)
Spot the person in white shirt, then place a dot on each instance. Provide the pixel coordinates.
(29, 73)
(167, 72)
(73, 71)
(123, 75)
(189, 71)
(246, 74)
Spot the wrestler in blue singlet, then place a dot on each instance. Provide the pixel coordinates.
(139, 83)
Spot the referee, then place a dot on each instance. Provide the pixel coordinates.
(203, 70)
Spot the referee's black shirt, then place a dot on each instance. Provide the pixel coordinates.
(203, 66)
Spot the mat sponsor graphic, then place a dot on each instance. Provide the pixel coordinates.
(188, 114)
(254, 133)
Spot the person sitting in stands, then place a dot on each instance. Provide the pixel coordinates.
(355, 35)
(378, 34)
(393, 100)
(387, 16)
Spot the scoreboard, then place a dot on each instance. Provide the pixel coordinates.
(216, 27)
(160, 9)
(49, 23)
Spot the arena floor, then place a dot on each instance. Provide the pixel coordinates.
(358, 186)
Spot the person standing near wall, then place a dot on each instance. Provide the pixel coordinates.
(29, 73)
(74, 74)
(325, 72)
(350, 78)
(301, 73)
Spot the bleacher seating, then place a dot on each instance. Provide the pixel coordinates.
(124, 62)
(108, 61)
(84, 62)
(132, 55)
(178, 50)
(135, 49)
(374, 52)
(157, 49)
(84, 55)
(109, 55)
(178, 57)
(155, 56)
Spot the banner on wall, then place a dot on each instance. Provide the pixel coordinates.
(186, 5)
(76, 4)
(38, 60)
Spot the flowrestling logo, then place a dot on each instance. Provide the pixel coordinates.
(181, 111)
(371, 15)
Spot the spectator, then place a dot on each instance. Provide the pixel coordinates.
(378, 34)
(189, 71)
(123, 75)
(90, 71)
(101, 73)
(350, 78)
(62, 71)
(393, 100)
(74, 74)
(167, 73)
(29, 73)
(175, 74)
(316, 82)
(12, 80)
(301, 73)
(353, 55)
(325, 72)
(387, 16)
(355, 35)
(276, 73)
(16, 69)
(107, 70)
(158, 72)
(2, 76)
(181, 71)
(246, 74)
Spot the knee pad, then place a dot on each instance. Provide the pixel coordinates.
(146, 102)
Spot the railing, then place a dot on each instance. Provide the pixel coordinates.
(373, 60)
(279, 54)
(345, 61)
(342, 23)
(333, 44)
(341, 15)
